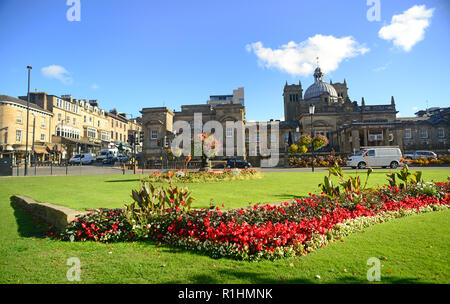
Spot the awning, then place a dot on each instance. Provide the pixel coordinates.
(55, 148)
(78, 141)
(40, 150)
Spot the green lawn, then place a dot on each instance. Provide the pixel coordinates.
(414, 249)
(112, 191)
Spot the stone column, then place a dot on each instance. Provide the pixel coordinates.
(366, 139)
(355, 140)
(386, 138)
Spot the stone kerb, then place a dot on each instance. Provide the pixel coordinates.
(58, 216)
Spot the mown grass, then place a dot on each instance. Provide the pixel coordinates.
(414, 249)
(112, 191)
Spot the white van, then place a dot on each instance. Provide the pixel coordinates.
(105, 153)
(85, 158)
(376, 157)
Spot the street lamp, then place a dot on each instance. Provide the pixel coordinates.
(28, 114)
(311, 113)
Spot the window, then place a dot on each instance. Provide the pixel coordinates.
(90, 119)
(67, 106)
(407, 133)
(230, 132)
(19, 117)
(74, 121)
(85, 119)
(112, 134)
(92, 132)
(75, 108)
(104, 136)
(43, 122)
(42, 137)
(98, 123)
(120, 137)
(423, 133)
(440, 133)
(68, 120)
(18, 136)
(117, 123)
(154, 134)
(59, 117)
(112, 123)
(59, 103)
(117, 136)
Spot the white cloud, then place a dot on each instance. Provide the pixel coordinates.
(415, 108)
(301, 58)
(95, 86)
(408, 28)
(383, 67)
(57, 72)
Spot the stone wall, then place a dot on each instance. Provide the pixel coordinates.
(58, 216)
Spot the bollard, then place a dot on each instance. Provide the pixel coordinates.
(123, 169)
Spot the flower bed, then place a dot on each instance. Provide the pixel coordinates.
(320, 161)
(200, 177)
(441, 160)
(263, 231)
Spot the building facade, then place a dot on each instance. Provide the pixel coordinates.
(63, 126)
(347, 124)
(13, 130)
(157, 125)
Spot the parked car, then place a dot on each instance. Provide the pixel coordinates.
(105, 153)
(84, 158)
(123, 158)
(421, 154)
(376, 157)
(238, 163)
(110, 160)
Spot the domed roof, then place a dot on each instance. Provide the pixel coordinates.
(319, 87)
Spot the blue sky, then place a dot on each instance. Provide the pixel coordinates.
(135, 54)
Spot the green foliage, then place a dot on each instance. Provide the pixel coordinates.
(154, 200)
(405, 178)
(328, 188)
(351, 185)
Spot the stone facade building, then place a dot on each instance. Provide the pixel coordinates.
(13, 126)
(347, 125)
(64, 126)
(157, 124)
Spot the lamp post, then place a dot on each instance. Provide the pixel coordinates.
(311, 113)
(28, 114)
(32, 143)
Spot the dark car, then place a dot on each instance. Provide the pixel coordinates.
(238, 163)
(110, 160)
